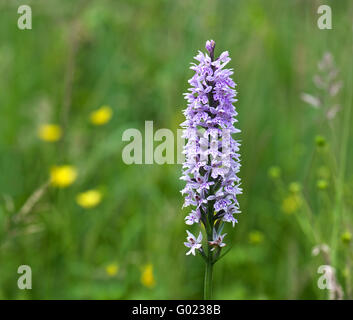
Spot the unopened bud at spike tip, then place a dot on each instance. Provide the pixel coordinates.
(210, 45)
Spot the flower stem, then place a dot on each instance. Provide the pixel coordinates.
(208, 280)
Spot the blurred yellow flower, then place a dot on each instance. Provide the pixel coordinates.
(295, 187)
(346, 237)
(320, 141)
(62, 176)
(89, 199)
(112, 269)
(101, 116)
(274, 172)
(346, 272)
(256, 237)
(322, 184)
(50, 132)
(147, 278)
(291, 204)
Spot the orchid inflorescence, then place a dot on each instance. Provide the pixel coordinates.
(212, 161)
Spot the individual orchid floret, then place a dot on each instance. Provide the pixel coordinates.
(193, 217)
(210, 46)
(193, 243)
(217, 240)
(228, 217)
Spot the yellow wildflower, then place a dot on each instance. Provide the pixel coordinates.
(147, 278)
(256, 237)
(101, 116)
(322, 184)
(89, 199)
(62, 176)
(50, 132)
(346, 272)
(274, 172)
(112, 269)
(320, 141)
(295, 187)
(346, 237)
(291, 204)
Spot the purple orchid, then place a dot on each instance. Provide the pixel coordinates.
(217, 240)
(193, 217)
(212, 161)
(193, 243)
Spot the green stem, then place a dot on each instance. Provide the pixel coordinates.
(339, 207)
(208, 280)
(209, 263)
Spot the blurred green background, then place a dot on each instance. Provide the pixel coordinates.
(134, 57)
